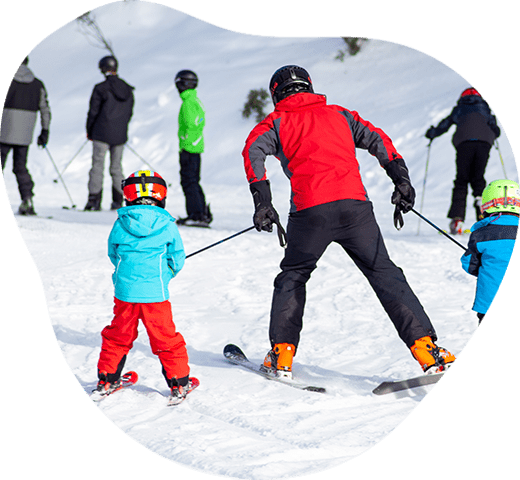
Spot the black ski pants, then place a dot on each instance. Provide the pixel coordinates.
(190, 183)
(351, 224)
(471, 161)
(23, 177)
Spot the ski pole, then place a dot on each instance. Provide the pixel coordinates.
(60, 177)
(501, 159)
(424, 181)
(221, 241)
(439, 230)
(72, 159)
(141, 158)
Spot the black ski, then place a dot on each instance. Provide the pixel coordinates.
(398, 385)
(237, 357)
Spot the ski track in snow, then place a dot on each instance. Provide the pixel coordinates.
(237, 423)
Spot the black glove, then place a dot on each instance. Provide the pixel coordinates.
(431, 133)
(265, 215)
(403, 196)
(43, 139)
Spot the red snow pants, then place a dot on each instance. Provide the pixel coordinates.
(166, 342)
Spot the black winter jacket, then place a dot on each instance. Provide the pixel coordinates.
(473, 119)
(111, 107)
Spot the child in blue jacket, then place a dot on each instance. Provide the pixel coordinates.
(492, 240)
(146, 250)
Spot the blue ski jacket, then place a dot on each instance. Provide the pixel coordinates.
(146, 250)
(489, 250)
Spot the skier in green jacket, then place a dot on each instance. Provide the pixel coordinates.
(191, 145)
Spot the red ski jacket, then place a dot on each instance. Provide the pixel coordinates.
(316, 145)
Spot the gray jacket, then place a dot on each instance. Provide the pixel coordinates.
(26, 96)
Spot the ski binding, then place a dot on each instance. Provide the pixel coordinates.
(127, 380)
(192, 385)
(237, 357)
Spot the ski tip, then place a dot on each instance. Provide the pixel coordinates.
(316, 389)
(381, 389)
(194, 382)
(130, 376)
(231, 349)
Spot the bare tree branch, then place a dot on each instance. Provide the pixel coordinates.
(90, 28)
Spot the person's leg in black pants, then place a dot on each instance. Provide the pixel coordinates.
(459, 194)
(190, 178)
(352, 224)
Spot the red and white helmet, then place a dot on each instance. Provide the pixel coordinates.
(144, 184)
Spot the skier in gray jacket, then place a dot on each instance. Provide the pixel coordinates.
(26, 96)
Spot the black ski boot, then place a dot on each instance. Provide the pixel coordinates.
(94, 202)
(117, 199)
(26, 207)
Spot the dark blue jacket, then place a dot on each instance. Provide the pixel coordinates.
(489, 251)
(111, 107)
(473, 119)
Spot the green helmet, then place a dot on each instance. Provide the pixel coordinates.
(501, 196)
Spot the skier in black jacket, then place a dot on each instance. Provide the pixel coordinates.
(111, 107)
(476, 132)
(26, 97)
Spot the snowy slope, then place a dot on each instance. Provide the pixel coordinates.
(237, 424)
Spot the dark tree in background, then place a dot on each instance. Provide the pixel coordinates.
(255, 103)
(353, 46)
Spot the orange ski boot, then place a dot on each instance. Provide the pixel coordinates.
(433, 359)
(279, 360)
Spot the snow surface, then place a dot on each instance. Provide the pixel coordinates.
(237, 424)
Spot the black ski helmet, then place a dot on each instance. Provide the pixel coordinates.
(108, 64)
(185, 80)
(289, 80)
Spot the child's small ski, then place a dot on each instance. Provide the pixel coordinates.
(127, 380)
(192, 385)
(398, 385)
(236, 356)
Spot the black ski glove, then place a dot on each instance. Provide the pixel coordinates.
(265, 215)
(403, 196)
(431, 133)
(43, 139)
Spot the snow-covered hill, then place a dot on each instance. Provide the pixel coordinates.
(237, 424)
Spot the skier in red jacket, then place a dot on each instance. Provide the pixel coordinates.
(316, 145)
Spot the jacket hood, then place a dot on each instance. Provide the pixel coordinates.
(121, 90)
(144, 220)
(24, 75)
(300, 100)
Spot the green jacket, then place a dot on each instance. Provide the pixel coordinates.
(191, 122)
